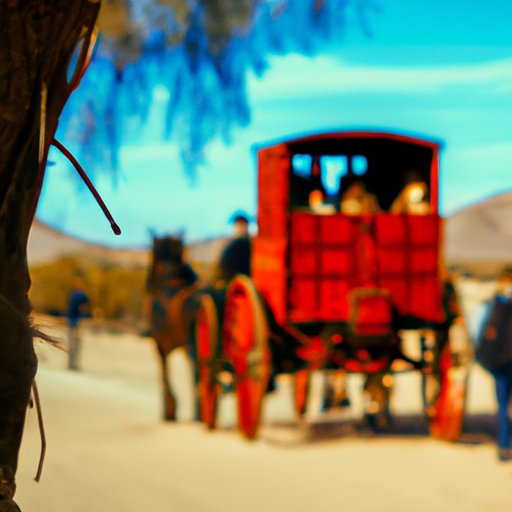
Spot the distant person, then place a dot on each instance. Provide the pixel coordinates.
(494, 352)
(78, 308)
(451, 309)
(413, 198)
(356, 200)
(236, 256)
(452, 314)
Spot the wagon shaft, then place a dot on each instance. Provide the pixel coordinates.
(37, 40)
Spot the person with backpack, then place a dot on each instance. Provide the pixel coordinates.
(494, 352)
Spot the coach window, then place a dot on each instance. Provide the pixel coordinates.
(301, 165)
(300, 180)
(332, 169)
(359, 165)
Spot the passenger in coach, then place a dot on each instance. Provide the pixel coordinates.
(414, 196)
(317, 203)
(356, 200)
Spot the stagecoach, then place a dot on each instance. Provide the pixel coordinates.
(330, 290)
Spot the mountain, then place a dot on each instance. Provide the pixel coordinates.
(47, 244)
(480, 236)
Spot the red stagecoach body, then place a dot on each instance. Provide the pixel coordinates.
(305, 264)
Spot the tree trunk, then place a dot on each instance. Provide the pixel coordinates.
(37, 41)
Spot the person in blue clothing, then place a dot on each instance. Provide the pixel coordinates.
(494, 352)
(78, 308)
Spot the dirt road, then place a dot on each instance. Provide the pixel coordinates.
(109, 452)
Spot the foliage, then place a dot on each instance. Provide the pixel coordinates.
(115, 292)
(200, 52)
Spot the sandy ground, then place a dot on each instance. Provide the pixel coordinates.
(109, 451)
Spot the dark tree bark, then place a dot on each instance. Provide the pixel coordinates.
(37, 41)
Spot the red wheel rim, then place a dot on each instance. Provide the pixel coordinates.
(206, 344)
(245, 344)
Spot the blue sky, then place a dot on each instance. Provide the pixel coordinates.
(442, 71)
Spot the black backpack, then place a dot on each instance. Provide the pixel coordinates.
(495, 353)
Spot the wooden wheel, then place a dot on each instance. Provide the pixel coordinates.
(207, 340)
(245, 344)
(301, 391)
(446, 415)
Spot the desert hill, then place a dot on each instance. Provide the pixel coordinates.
(47, 244)
(479, 237)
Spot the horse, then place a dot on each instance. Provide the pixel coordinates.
(171, 285)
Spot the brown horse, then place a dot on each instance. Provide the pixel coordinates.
(171, 285)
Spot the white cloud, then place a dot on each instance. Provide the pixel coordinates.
(292, 75)
(494, 150)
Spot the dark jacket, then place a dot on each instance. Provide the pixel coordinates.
(78, 306)
(236, 258)
(496, 352)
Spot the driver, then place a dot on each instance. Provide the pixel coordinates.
(236, 256)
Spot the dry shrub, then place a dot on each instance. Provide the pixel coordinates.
(116, 293)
